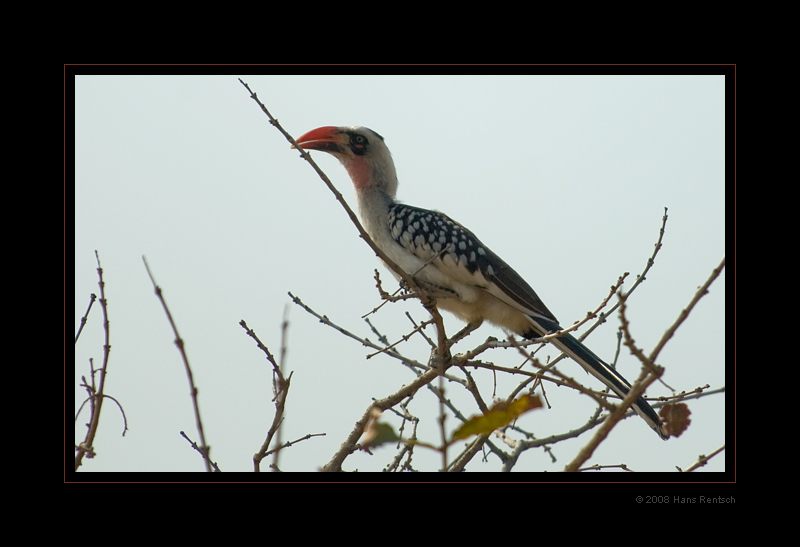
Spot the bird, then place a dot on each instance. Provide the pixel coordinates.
(444, 257)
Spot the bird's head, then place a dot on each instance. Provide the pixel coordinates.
(362, 152)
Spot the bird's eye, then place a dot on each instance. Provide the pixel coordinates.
(358, 144)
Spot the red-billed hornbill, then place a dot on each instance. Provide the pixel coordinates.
(482, 287)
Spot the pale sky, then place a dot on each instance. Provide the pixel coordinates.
(565, 177)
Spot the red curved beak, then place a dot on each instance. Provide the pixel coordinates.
(327, 139)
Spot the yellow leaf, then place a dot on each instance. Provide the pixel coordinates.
(501, 414)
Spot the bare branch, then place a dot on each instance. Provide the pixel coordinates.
(290, 443)
(179, 342)
(85, 317)
(86, 446)
(650, 373)
(701, 292)
(252, 334)
(350, 446)
(404, 338)
(324, 320)
(202, 453)
(702, 460)
(90, 389)
(639, 278)
(280, 392)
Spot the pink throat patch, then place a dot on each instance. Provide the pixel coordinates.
(359, 171)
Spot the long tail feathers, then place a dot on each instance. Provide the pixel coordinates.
(600, 370)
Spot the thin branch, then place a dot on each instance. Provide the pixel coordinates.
(365, 342)
(560, 380)
(179, 342)
(628, 340)
(86, 446)
(281, 385)
(442, 419)
(280, 392)
(639, 278)
(350, 444)
(650, 373)
(407, 448)
(598, 467)
(567, 380)
(473, 389)
(252, 334)
(202, 453)
(85, 317)
(696, 393)
(602, 316)
(589, 315)
(623, 409)
(701, 292)
(386, 297)
(425, 336)
(93, 397)
(543, 339)
(381, 338)
(702, 460)
(431, 292)
(620, 412)
(404, 338)
(290, 443)
(465, 457)
(595, 422)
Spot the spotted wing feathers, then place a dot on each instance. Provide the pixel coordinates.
(454, 250)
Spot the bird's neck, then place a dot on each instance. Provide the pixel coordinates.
(361, 173)
(367, 174)
(373, 207)
(376, 184)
